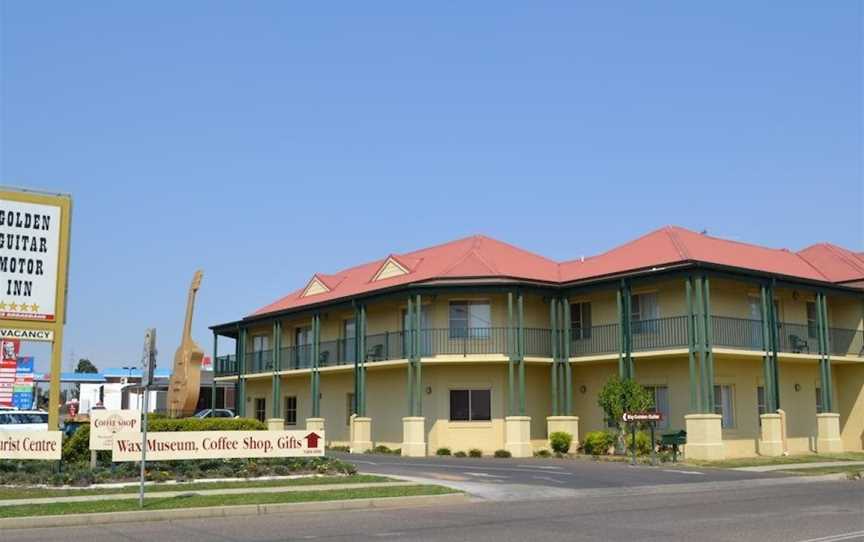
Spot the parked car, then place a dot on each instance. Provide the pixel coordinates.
(23, 420)
(215, 413)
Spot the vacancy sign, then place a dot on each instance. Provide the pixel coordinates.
(105, 423)
(45, 445)
(169, 446)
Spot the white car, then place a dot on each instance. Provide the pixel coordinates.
(23, 420)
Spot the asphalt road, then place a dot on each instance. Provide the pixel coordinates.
(482, 476)
(814, 511)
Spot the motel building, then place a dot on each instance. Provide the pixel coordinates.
(479, 344)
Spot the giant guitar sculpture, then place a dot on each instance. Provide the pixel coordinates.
(185, 383)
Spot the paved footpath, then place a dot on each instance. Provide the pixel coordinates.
(796, 466)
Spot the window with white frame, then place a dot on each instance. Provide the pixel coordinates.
(644, 310)
(471, 319)
(661, 403)
(291, 410)
(260, 343)
(723, 405)
(580, 320)
(469, 405)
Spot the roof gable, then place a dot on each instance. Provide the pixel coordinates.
(314, 286)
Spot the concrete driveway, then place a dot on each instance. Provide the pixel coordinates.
(498, 479)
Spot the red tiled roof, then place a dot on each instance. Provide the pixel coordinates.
(482, 257)
(471, 257)
(836, 263)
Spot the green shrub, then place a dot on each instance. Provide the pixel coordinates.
(339, 448)
(460, 453)
(643, 443)
(442, 451)
(475, 452)
(502, 453)
(205, 424)
(542, 453)
(560, 442)
(598, 442)
(381, 449)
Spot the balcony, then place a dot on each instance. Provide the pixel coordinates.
(647, 335)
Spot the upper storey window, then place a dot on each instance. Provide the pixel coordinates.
(470, 319)
(580, 320)
(644, 312)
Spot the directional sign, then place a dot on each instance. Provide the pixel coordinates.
(642, 417)
(173, 445)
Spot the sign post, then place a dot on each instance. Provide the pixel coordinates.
(34, 261)
(147, 370)
(633, 418)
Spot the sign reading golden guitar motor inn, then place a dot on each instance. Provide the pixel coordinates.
(29, 254)
(105, 423)
(165, 446)
(31, 445)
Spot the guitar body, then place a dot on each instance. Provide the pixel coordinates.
(184, 387)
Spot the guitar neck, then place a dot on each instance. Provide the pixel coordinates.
(190, 307)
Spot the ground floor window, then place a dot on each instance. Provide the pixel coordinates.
(723, 405)
(291, 410)
(819, 406)
(470, 405)
(260, 409)
(661, 404)
(349, 408)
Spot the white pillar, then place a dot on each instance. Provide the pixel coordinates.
(414, 436)
(565, 424)
(828, 433)
(771, 441)
(275, 424)
(517, 435)
(704, 437)
(315, 424)
(361, 435)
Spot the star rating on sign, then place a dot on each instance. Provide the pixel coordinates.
(14, 307)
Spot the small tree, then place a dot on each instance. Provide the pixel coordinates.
(619, 396)
(85, 366)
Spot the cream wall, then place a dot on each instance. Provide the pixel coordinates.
(849, 388)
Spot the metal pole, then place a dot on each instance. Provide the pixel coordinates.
(565, 356)
(512, 347)
(553, 313)
(144, 444)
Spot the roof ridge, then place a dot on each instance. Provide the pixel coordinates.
(622, 245)
(514, 247)
(676, 242)
(842, 254)
(471, 251)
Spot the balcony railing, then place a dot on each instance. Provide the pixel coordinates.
(846, 342)
(595, 340)
(741, 333)
(225, 366)
(654, 334)
(659, 333)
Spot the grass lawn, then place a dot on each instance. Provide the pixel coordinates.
(198, 501)
(782, 460)
(34, 493)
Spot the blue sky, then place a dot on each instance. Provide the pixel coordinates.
(264, 141)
